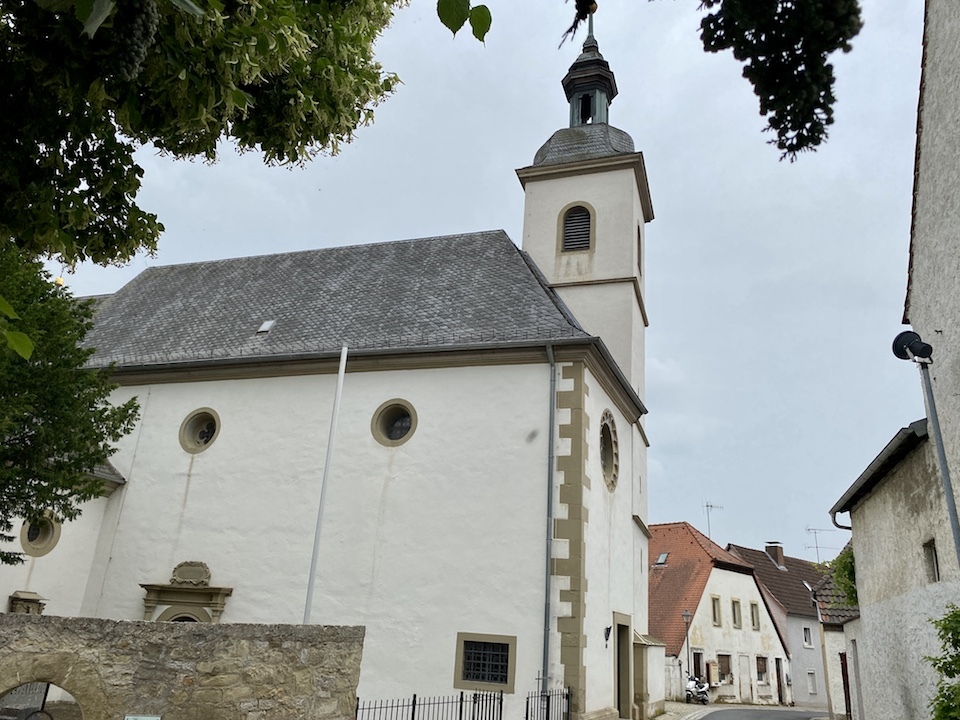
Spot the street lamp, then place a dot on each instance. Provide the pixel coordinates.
(687, 617)
(908, 346)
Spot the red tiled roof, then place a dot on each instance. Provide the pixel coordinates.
(679, 583)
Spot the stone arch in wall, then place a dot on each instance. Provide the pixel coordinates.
(77, 676)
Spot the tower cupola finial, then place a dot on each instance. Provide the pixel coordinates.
(589, 84)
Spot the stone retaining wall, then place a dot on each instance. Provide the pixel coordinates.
(186, 671)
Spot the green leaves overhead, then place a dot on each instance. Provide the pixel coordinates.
(784, 45)
(455, 13)
(480, 21)
(15, 340)
(285, 78)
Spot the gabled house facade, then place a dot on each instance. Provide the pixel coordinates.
(786, 583)
(906, 576)
(438, 439)
(732, 640)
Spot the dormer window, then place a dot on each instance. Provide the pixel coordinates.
(576, 229)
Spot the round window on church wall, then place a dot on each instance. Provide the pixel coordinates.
(609, 451)
(394, 422)
(39, 537)
(199, 430)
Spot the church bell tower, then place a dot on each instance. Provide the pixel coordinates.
(585, 207)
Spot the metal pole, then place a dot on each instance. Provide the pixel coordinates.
(308, 603)
(941, 455)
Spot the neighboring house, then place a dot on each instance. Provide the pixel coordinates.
(733, 641)
(907, 567)
(906, 575)
(835, 613)
(791, 605)
(484, 512)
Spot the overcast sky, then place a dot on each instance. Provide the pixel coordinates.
(774, 289)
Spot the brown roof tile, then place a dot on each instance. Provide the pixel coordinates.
(678, 584)
(785, 585)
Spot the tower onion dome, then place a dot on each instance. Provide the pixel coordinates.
(590, 87)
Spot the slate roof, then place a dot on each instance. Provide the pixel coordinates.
(679, 584)
(785, 585)
(446, 292)
(583, 142)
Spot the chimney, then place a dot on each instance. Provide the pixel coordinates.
(775, 551)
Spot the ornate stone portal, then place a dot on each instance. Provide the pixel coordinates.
(189, 596)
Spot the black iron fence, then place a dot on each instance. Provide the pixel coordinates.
(550, 705)
(465, 706)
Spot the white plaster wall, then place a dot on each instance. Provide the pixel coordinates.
(610, 311)
(853, 635)
(444, 533)
(61, 575)
(835, 643)
(614, 197)
(726, 639)
(934, 295)
(614, 544)
(897, 598)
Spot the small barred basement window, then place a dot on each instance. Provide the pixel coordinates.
(486, 662)
(576, 229)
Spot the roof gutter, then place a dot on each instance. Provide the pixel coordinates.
(899, 446)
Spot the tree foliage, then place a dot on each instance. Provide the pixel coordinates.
(287, 78)
(55, 423)
(784, 45)
(946, 703)
(843, 569)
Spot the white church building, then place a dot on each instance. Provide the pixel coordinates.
(485, 490)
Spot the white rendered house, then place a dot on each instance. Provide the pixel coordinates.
(708, 608)
(484, 507)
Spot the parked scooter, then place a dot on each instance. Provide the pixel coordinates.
(697, 691)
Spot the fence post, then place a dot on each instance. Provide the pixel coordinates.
(460, 707)
(413, 708)
(500, 705)
(356, 711)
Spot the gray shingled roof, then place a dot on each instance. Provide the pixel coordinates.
(583, 142)
(432, 293)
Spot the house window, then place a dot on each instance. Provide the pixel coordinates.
(762, 676)
(755, 616)
(485, 662)
(930, 561)
(812, 682)
(576, 229)
(698, 665)
(723, 664)
(715, 608)
(662, 558)
(735, 612)
(807, 636)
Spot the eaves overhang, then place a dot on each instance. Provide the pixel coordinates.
(633, 161)
(904, 442)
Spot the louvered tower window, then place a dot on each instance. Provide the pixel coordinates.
(576, 229)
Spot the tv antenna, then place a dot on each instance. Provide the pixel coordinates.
(816, 540)
(708, 506)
